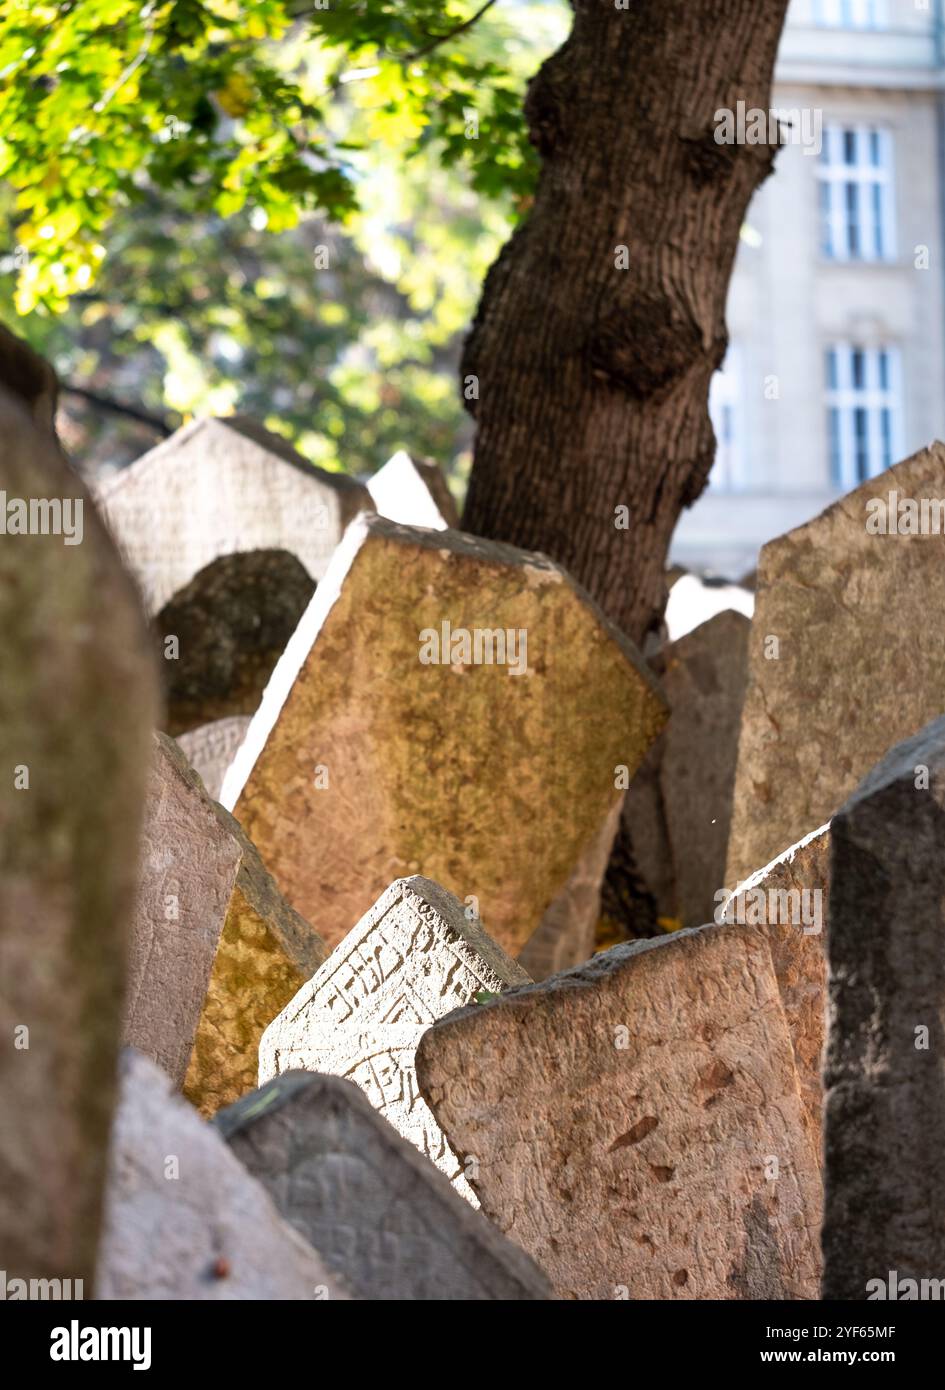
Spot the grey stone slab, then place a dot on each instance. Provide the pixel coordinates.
(884, 1116)
(375, 1208)
(183, 1217)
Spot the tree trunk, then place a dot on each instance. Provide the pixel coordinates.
(593, 380)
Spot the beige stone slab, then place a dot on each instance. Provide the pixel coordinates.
(678, 808)
(365, 763)
(78, 696)
(413, 492)
(184, 1219)
(216, 951)
(566, 934)
(220, 636)
(884, 1114)
(221, 486)
(858, 664)
(788, 899)
(377, 1211)
(623, 1122)
(410, 960)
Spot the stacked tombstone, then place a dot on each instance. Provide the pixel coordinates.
(644, 1125)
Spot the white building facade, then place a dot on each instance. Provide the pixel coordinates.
(836, 311)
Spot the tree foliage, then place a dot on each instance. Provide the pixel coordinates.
(170, 172)
(261, 105)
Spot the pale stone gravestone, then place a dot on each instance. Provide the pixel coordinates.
(678, 808)
(410, 960)
(431, 715)
(223, 633)
(221, 486)
(373, 1207)
(183, 1218)
(216, 951)
(842, 660)
(212, 747)
(78, 696)
(789, 899)
(635, 1123)
(413, 492)
(884, 1116)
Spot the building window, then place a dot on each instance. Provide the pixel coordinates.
(863, 412)
(856, 194)
(852, 14)
(729, 473)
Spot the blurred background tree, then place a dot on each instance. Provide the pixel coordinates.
(266, 207)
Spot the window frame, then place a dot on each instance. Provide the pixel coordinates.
(847, 404)
(869, 237)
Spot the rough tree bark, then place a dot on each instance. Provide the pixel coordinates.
(593, 380)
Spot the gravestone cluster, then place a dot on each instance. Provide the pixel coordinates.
(307, 799)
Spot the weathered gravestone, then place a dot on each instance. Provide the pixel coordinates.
(788, 899)
(223, 633)
(566, 935)
(432, 714)
(211, 748)
(410, 960)
(678, 808)
(884, 1115)
(414, 492)
(183, 1217)
(216, 951)
(221, 486)
(842, 660)
(78, 695)
(373, 1207)
(635, 1123)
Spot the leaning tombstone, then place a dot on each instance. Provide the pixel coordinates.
(222, 634)
(77, 700)
(884, 1115)
(676, 815)
(430, 716)
(414, 492)
(374, 1208)
(635, 1123)
(412, 958)
(216, 951)
(841, 619)
(221, 486)
(184, 1219)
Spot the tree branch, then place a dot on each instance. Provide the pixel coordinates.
(161, 424)
(444, 38)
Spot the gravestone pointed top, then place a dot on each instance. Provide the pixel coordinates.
(417, 954)
(375, 1208)
(220, 486)
(413, 491)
